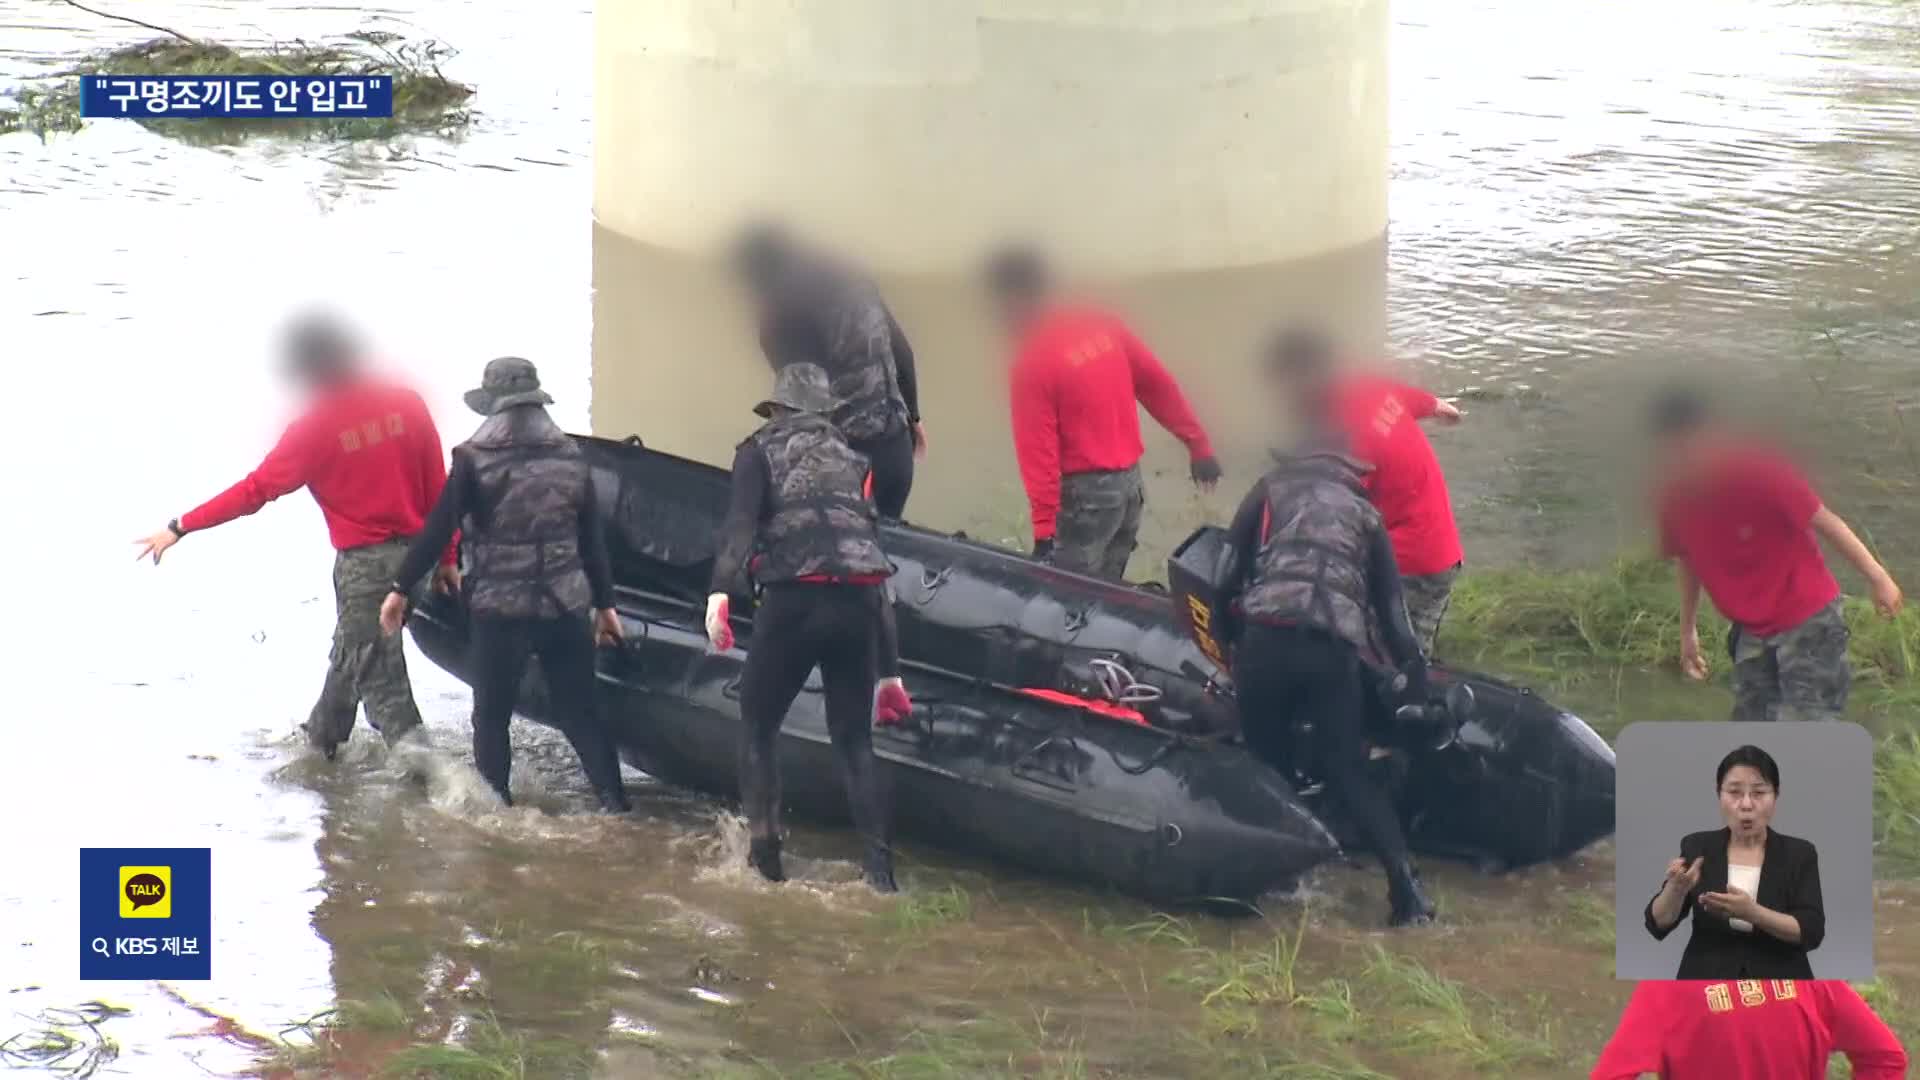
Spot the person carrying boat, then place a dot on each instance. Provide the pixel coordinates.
(523, 495)
(802, 523)
(1078, 378)
(1381, 418)
(367, 449)
(1744, 524)
(1313, 606)
(813, 309)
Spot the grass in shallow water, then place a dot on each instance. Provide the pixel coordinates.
(425, 101)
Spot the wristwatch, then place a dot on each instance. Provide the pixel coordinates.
(174, 528)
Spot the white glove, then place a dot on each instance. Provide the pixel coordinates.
(719, 629)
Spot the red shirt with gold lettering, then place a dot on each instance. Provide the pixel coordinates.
(1753, 1029)
(1079, 379)
(369, 453)
(1382, 420)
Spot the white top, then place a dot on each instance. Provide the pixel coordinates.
(1747, 880)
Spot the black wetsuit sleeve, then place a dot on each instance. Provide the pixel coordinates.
(1243, 545)
(456, 498)
(1390, 607)
(593, 549)
(751, 489)
(903, 370)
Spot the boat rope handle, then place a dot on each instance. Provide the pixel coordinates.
(1146, 763)
(932, 579)
(1119, 684)
(1077, 621)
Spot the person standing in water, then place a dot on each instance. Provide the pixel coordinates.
(1381, 418)
(524, 496)
(801, 522)
(816, 310)
(368, 451)
(1078, 378)
(1743, 523)
(1313, 606)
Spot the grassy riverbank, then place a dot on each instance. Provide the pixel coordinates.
(974, 974)
(1607, 642)
(1515, 985)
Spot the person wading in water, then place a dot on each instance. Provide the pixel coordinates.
(812, 309)
(1381, 418)
(802, 523)
(369, 453)
(1313, 604)
(537, 562)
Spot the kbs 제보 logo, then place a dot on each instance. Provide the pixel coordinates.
(146, 892)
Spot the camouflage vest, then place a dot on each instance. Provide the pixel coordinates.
(1311, 569)
(856, 349)
(821, 522)
(523, 536)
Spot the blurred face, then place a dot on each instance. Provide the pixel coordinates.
(1014, 309)
(1746, 801)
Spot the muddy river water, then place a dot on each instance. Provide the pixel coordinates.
(1579, 197)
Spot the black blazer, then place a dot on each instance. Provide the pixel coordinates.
(1789, 884)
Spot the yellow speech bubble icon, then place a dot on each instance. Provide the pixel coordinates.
(146, 892)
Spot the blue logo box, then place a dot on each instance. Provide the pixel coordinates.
(210, 97)
(146, 913)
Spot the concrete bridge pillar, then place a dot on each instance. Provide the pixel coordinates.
(1141, 136)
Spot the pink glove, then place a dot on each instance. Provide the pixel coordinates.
(719, 629)
(891, 705)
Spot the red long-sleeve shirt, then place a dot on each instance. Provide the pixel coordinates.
(1757, 1029)
(1382, 420)
(1077, 376)
(369, 453)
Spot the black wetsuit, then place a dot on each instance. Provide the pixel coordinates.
(842, 626)
(500, 645)
(1302, 667)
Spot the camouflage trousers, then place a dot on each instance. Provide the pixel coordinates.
(366, 666)
(1099, 522)
(1427, 597)
(1797, 674)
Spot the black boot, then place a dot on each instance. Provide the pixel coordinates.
(615, 802)
(763, 854)
(1411, 905)
(880, 869)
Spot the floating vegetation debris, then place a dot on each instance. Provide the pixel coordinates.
(65, 1042)
(425, 101)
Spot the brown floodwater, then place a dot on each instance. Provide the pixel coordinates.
(1580, 198)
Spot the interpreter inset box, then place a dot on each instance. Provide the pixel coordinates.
(1744, 851)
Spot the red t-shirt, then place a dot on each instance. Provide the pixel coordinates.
(1772, 1029)
(1077, 376)
(1743, 529)
(369, 453)
(1382, 421)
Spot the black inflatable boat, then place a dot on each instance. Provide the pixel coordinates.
(1045, 786)
(1168, 809)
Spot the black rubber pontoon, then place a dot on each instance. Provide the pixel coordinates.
(1525, 781)
(1044, 786)
(986, 769)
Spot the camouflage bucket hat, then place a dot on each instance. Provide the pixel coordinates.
(507, 382)
(800, 387)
